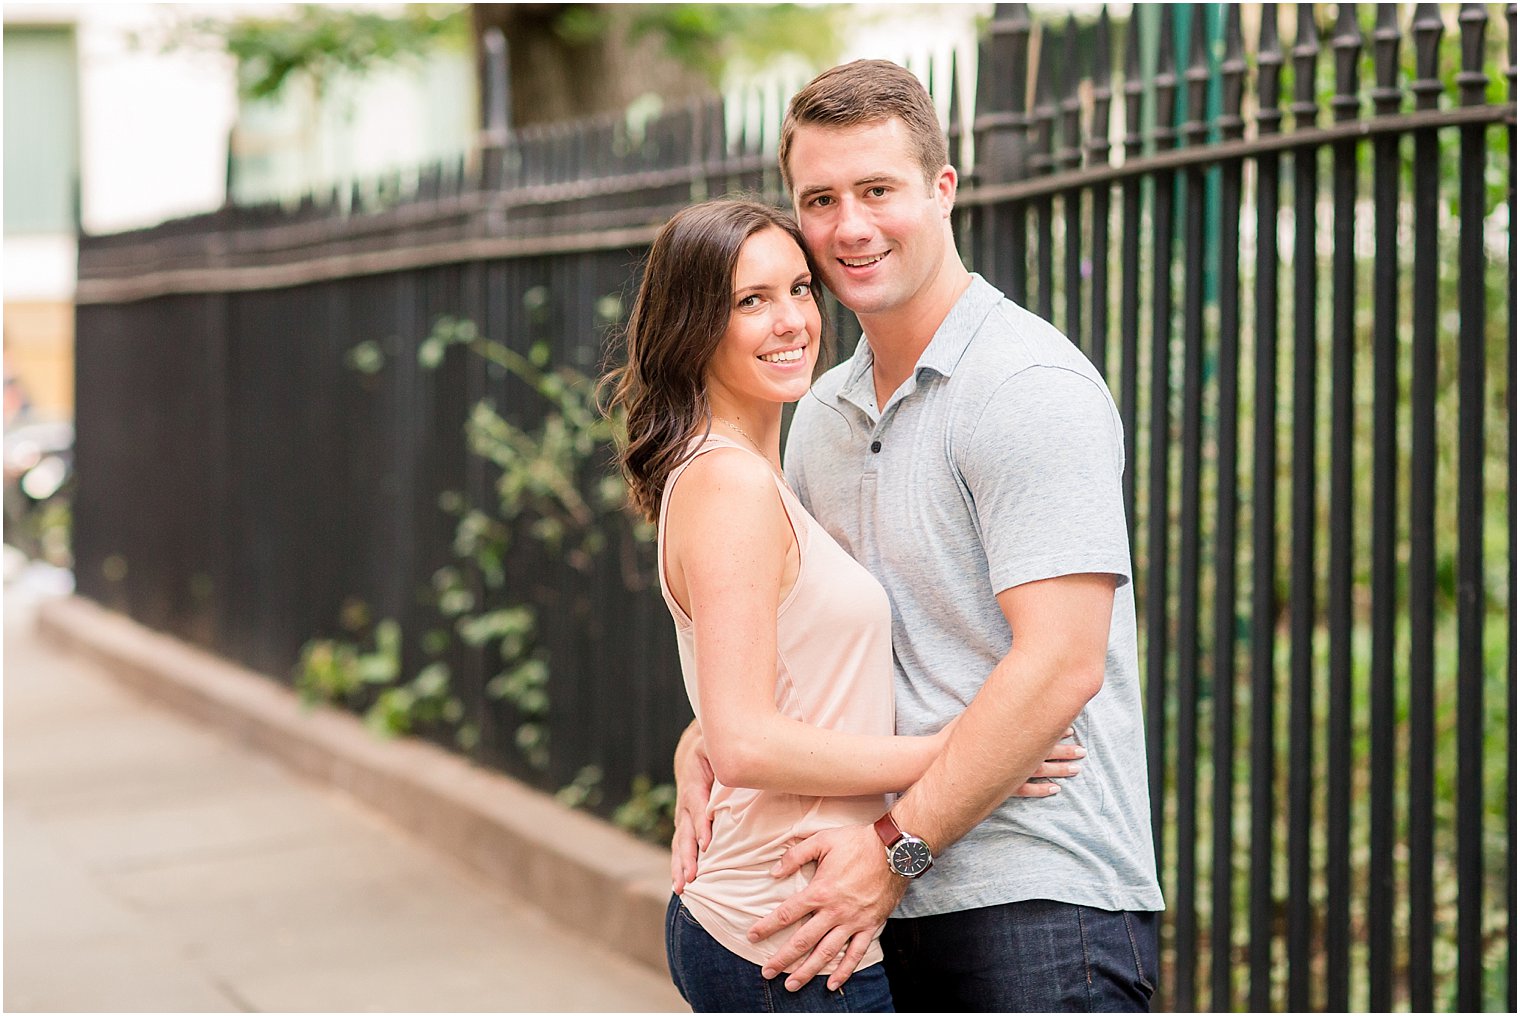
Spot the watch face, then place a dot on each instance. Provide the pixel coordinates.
(910, 857)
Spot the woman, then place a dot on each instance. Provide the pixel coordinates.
(785, 641)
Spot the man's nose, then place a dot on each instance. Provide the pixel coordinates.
(854, 225)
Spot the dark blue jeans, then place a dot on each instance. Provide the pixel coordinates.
(1031, 956)
(712, 979)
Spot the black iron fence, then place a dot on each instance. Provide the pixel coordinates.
(1291, 253)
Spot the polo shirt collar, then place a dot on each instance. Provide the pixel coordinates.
(942, 353)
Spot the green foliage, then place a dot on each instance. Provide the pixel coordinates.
(649, 811)
(554, 488)
(711, 37)
(334, 670)
(317, 42)
(341, 672)
(582, 791)
(540, 476)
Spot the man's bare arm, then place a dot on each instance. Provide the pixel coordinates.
(1054, 667)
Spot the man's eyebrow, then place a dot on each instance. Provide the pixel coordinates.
(864, 181)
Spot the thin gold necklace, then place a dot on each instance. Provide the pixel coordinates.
(738, 430)
(753, 444)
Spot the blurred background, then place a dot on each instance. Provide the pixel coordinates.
(324, 291)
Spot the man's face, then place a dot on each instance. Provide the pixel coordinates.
(875, 228)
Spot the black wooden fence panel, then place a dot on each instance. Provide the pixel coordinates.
(1286, 263)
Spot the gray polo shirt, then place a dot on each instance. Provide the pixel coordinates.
(998, 462)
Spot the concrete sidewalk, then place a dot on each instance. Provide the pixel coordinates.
(153, 864)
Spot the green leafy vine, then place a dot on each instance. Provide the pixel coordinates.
(552, 487)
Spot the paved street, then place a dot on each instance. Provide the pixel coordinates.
(151, 865)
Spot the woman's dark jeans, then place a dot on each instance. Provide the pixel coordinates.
(712, 979)
(1031, 956)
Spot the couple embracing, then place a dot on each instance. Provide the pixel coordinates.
(911, 653)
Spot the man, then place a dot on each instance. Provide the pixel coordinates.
(969, 456)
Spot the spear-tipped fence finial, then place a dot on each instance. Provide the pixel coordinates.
(1347, 45)
(1305, 106)
(1269, 64)
(1232, 75)
(1069, 155)
(1134, 88)
(1002, 116)
(1386, 38)
(1043, 118)
(1428, 29)
(1509, 72)
(1102, 74)
(954, 134)
(1166, 81)
(1196, 130)
(1471, 80)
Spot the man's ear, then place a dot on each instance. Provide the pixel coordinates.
(944, 189)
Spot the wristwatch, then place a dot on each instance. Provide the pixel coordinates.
(907, 855)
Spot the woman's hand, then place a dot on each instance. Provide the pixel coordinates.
(1060, 762)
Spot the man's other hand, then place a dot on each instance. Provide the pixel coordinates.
(849, 898)
(694, 781)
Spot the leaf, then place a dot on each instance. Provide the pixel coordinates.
(456, 602)
(377, 668)
(508, 622)
(367, 357)
(430, 353)
(392, 712)
(388, 638)
(432, 681)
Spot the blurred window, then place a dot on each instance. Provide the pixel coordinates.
(41, 130)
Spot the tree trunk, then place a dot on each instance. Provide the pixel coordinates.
(554, 78)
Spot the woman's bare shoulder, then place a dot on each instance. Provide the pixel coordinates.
(725, 488)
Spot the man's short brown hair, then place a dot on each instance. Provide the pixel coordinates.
(866, 93)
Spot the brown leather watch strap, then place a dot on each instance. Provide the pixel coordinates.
(886, 828)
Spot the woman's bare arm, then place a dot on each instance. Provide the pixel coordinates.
(727, 537)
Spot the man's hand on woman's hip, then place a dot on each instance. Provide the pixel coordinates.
(847, 902)
(694, 782)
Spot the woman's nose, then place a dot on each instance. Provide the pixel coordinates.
(789, 318)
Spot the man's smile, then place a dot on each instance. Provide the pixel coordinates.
(863, 261)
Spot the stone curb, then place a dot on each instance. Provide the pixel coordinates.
(584, 873)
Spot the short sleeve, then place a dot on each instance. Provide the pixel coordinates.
(792, 459)
(1043, 465)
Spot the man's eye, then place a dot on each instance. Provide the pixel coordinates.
(877, 192)
(822, 201)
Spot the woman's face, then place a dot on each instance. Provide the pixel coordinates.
(771, 345)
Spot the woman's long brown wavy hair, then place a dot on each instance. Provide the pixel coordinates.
(678, 319)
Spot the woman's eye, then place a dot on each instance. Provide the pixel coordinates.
(745, 303)
(802, 289)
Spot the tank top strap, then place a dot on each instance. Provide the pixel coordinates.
(796, 515)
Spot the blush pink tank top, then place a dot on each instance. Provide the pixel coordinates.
(833, 670)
